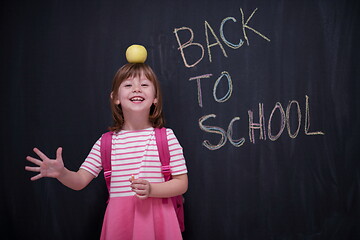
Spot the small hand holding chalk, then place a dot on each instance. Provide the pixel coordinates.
(136, 54)
(141, 187)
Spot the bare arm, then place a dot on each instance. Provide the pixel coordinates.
(55, 168)
(76, 180)
(176, 186)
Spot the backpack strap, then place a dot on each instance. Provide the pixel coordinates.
(164, 154)
(163, 149)
(105, 151)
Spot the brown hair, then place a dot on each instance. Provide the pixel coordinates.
(131, 70)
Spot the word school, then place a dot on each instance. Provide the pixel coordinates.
(261, 126)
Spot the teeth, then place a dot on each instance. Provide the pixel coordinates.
(137, 99)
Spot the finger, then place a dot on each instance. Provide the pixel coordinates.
(59, 153)
(139, 186)
(139, 192)
(32, 169)
(34, 160)
(142, 196)
(36, 177)
(139, 181)
(40, 154)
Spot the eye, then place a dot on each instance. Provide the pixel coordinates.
(145, 83)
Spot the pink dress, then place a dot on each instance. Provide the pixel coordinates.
(145, 219)
(134, 153)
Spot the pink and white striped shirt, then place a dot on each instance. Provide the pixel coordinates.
(134, 153)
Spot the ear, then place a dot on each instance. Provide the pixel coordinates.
(155, 101)
(116, 101)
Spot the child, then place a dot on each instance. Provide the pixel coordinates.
(136, 209)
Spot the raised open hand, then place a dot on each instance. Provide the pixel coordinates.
(46, 167)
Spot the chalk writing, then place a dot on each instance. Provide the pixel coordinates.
(220, 100)
(245, 25)
(207, 26)
(285, 121)
(236, 143)
(307, 120)
(199, 86)
(288, 118)
(218, 130)
(229, 44)
(265, 127)
(212, 129)
(253, 126)
(190, 43)
(282, 123)
(228, 94)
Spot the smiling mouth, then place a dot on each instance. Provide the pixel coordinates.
(137, 99)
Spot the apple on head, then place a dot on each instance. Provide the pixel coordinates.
(136, 54)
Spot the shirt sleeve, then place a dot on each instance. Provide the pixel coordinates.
(92, 162)
(177, 160)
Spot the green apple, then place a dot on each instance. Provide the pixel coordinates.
(136, 54)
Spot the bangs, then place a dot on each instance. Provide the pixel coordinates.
(136, 70)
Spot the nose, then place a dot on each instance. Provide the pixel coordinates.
(136, 88)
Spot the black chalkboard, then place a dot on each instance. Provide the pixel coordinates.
(262, 95)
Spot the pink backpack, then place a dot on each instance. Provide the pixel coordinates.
(163, 149)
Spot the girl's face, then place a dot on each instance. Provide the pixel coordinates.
(136, 94)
